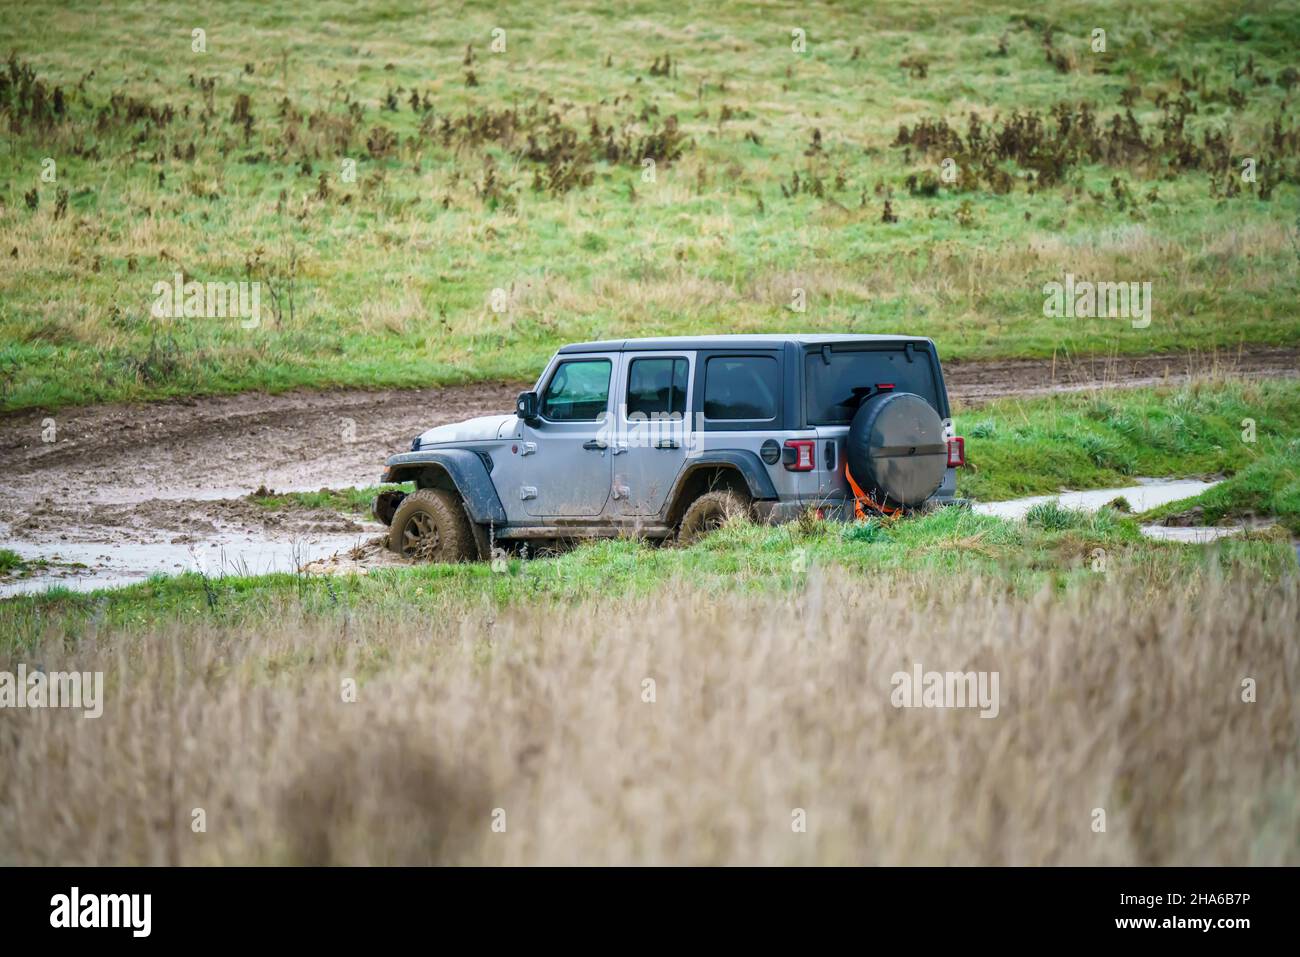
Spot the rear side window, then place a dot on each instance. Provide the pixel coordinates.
(578, 392)
(831, 399)
(657, 387)
(741, 387)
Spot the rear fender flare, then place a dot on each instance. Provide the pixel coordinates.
(746, 463)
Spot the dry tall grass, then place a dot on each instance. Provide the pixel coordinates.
(1114, 697)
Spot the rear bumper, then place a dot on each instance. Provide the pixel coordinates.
(836, 504)
(832, 510)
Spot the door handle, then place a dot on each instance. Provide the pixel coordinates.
(593, 444)
(619, 449)
(668, 444)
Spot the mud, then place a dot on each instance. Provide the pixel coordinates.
(973, 383)
(223, 447)
(125, 491)
(372, 553)
(112, 493)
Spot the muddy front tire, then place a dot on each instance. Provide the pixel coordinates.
(431, 526)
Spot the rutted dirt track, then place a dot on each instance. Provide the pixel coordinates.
(120, 480)
(970, 383)
(227, 446)
(127, 490)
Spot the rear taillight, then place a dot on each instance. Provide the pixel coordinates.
(799, 455)
(956, 452)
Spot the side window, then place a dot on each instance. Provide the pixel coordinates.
(657, 387)
(741, 387)
(578, 392)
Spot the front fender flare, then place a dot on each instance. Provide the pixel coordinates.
(467, 472)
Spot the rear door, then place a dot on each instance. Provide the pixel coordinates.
(567, 452)
(652, 437)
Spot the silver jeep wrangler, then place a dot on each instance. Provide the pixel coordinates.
(666, 438)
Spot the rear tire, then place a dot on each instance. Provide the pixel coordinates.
(710, 512)
(431, 526)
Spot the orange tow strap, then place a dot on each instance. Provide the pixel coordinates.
(859, 496)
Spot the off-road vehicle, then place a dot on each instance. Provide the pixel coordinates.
(666, 438)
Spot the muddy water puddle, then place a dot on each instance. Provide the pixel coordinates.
(86, 545)
(87, 566)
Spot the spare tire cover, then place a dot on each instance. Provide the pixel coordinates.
(896, 448)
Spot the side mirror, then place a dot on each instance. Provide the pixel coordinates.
(526, 407)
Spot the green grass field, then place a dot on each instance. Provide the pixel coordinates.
(501, 203)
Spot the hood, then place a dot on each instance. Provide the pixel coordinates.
(485, 427)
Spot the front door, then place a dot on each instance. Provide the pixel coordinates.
(654, 429)
(566, 471)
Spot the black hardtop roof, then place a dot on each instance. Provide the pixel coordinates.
(739, 341)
